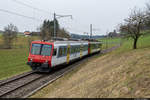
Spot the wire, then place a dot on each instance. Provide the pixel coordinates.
(14, 13)
(22, 3)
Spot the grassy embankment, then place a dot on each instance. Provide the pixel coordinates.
(121, 73)
(13, 61)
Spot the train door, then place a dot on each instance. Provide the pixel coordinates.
(89, 48)
(62, 53)
(81, 50)
(68, 54)
(54, 57)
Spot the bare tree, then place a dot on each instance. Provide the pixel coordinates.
(10, 33)
(133, 25)
(148, 14)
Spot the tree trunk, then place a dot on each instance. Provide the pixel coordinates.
(135, 43)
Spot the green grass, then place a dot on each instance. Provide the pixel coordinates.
(109, 42)
(13, 61)
(143, 42)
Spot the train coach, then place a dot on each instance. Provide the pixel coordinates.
(45, 55)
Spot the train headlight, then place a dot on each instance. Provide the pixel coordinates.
(46, 61)
(31, 59)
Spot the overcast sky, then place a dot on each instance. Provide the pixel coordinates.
(105, 15)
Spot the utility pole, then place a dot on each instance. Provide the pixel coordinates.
(57, 17)
(54, 25)
(91, 29)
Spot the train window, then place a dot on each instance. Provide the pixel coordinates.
(41, 49)
(54, 52)
(36, 48)
(62, 51)
(78, 48)
(72, 50)
(46, 50)
(85, 48)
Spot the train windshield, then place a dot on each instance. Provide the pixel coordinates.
(41, 49)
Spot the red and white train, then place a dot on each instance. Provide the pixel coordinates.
(45, 55)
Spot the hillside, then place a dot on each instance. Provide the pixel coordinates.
(121, 73)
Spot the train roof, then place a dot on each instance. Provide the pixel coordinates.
(66, 41)
(61, 42)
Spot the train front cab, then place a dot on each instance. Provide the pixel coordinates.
(40, 56)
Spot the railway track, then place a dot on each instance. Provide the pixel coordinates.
(16, 83)
(3, 82)
(23, 86)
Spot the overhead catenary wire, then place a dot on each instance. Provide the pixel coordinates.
(17, 14)
(37, 9)
(75, 29)
(24, 4)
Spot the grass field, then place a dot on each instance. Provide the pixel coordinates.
(13, 61)
(109, 42)
(128, 43)
(123, 73)
(143, 42)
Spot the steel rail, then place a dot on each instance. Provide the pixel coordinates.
(10, 90)
(3, 82)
